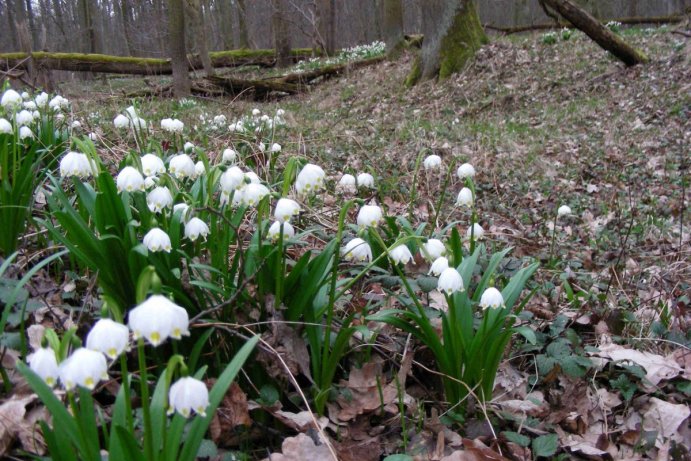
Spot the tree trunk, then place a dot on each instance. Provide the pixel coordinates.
(393, 26)
(281, 33)
(177, 50)
(226, 19)
(32, 24)
(242, 25)
(598, 32)
(11, 13)
(194, 12)
(453, 34)
(126, 15)
(325, 19)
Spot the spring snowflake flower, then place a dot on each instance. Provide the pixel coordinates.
(433, 249)
(450, 281)
(285, 209)
(187, 395)
(199, 169)
(58, 103)
(121, 121)
(347, 183)
(432, 162)
(41, 100)
(357, 250)
(24, 117)
(232, 179)
(252, 178)
(196, 227)
(157, 240)
(465, 198)
(59, 117)
(172, 125)
(129, 179)
(5, 126)
(188, 147)
(369, 216)
(138, 122)
(11, 100)
(157, 319)
(150, 181)
(465, 171)
(261, 146)
(256, 112)
(491, 298)
(253, 193)
(276, 147)
(75, 164)
(401, 255)
(45, 365)
(564, 210)
(30, 105)
(365, 180)
(25, 95)
(229, 156)
(25, 132)
(181, 166)
(275, 230)
(83, 368)
(109, 337)
(476, 231)
(152, 165)
(438, 266)
(310, 179)
(184, 210)
(158, 199)
(76, 125)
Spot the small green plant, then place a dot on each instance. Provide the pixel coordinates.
(614, 26)
(549, 38)
(566, 34)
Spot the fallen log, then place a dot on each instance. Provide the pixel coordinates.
(260, 88)
(80, 62)
(326, 71)
(636, 20)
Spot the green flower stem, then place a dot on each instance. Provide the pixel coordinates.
(442, 195)
(144, 386)
(126, 390)
(280, 273)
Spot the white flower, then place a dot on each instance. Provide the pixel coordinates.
(131, 112)
(433, 249)
(188, 147)
(253, 193)
(138, 122)
(369, 216)
(357, 250)
(465, 171)
(261, 146)
(401, 255)
(181, 166)
(59, 117)
(276, 147)
(188, 394)
(121, 121)
(432, 162)
(25, 132)
(491, 298)
(476, 231)
(256, 112)
(30, 105)
(229, 156)
(196, 227)
(5, 126)
(93, 137)
(172, 125)
(24, 118)
(365, 180)
(280, 112)
(42, 99)
(152, 165)
(129, 179)
(158, 318)
(158, 199)
(76, 125)
(75, 164)
(252, 177)
(25, 95)
(564, 210)
(347, 183)
(157, 240)
(11, 99)
(108, 337)
(58, 103)
(275, 230)
(438, 266)
(199, 168)
(450, 281)
(310, 179)
(465, 198)
(183, 208)
(83, 368)
(232, 179)
(45, 365)
(285, 209)
(150, 181)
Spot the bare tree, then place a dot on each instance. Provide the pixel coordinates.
(178, 52)
(393, 25)
(195, 14)
(325, 22)
(242, 24)
(282, 42)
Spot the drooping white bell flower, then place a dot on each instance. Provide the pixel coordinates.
(44, 363)
(199, 169)
(438, 266)
(357, 250)
(365, 180)
(172, 125)
(109, 337)
(187, 395)
(433, 249)
(152, 165)
(196, 227)
(252, 177)
(24, 117)
(229, 156)
(476, 231)
(150, 182)
(76, 124)
(184, 209)
(30, 105)
(465, 171)
(5, 126)
(42, 99)
(58, 103)
(276, 147)
(232, 180)
(285, 209)
(129, 179)
(188, 147)
(465, 198)
(450, 281)
(432, 162)
(347, 183)
(180, 322)
(261, 146)
(401, 255)
(157, 240)
(253, 193)
(491, 298)
(25, 132)
(369, 216)
(181, 166)
(564, 210)
(256, 112)
(83, 368)
(140, 123)
(157, 319)
(25, 95)
(158, 199)
(121, 121)
(310, 179)
(11, 100)
(75, 164)
(275, 230)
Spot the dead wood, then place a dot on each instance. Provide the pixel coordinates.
(636, 20)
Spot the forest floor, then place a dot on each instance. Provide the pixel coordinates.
(544, 125)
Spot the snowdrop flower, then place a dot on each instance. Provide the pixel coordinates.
(11, 100)
(369, 216)
(76, 125)
(433, 249)
(58, 103)
(172, 125)
(280, 112)
(150, 181)
(256, 112)
(108, 337)
(83, 368)
(261, 146)
(438, 266)
(491, 298)
(229, 156)
(93, 137)
(365, 180)
(45, 365)
(465, 171)
(138, 122)
(5, 126)
(450, 281)
(232, 180)
(25, 95)
(42, 99)
(30, 105)
(476, 231)
(157, 240)
(275, 230)
(465, 198)
(276, 147)
(285, 209)
(199, 168)
(310, 179)
(129, 179)
(24, 118)
(188, 394)
(25, 132)
(158, 199)
(158, 318)
(188, 147)
(183, 208)
(254, 193)
(75, 164)
(59, 117)
(252, 177)
(152, 165)
(432, 162)
(131, 111)
(401, 255)
(564, 210)
(181, 166)
(196, 227)
(347, 183)
(121, 121)
(357, 250)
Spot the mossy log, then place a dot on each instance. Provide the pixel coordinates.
(304, 78)
(80, 62)
(636, 20)
(260, 88)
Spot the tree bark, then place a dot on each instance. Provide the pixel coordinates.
(242, 25)
(393, 25)
(194, 12)
(177, 50)
(281, 33)
(604, 37)
(325, 23)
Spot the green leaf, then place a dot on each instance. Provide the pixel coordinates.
(545, 445)
(128, 446)
(527, 333)
(399, 458)
(518, 439)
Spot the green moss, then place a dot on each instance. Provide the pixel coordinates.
(465, 37)
(415, 72)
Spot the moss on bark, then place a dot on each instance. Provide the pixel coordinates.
(462, 40)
